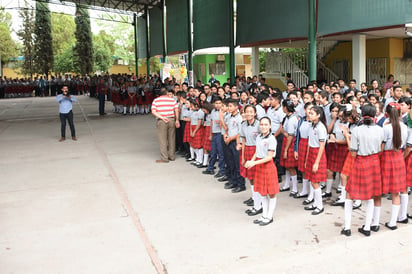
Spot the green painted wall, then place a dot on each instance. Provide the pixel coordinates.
(210, 59)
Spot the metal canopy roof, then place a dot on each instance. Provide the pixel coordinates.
(118, 6)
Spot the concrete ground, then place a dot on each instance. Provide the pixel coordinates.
(102, 205)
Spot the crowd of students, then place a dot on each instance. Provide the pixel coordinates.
(332, 135)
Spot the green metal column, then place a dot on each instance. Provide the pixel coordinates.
(146, 9)
(136, 51)
(312, 40)
(189, 44)
(164, 31)
(231, 42)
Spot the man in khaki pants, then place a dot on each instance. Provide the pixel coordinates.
(166, 110)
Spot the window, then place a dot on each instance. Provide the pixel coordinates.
(218, 68)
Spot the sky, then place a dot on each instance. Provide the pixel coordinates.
(13, 6)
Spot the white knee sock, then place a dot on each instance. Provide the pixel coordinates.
(348, 213)
(265, 206)
(369, 214)
(376, 215)
(251, 186)
(135, 109)
(317, 193)
(287, 180)
(257, 200)
(205, 159)
(338, 180)
(404, 207)
(124, 110)
(146, 109)
(329, 183)
(394, 215)
(305, 185)
(199, 155)
(342, 196)
(192, 152)
(294, 183)
(310, 196)
(272, 206)
(131, 109)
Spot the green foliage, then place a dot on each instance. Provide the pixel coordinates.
(122, 34)
(83, 50)
(64, 62)
(103, 51)
(43, 43)
(26, 35)
(8, 48)
(63, 28)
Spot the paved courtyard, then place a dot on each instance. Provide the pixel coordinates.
(102, 205)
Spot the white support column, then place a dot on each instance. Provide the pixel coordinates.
(359, 58)
(255, 61)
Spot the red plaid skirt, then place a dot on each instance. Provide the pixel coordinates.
(329, 150)
(302, 151)
(408, 163)
(132, 101)
(248, 172)
(206, 140)
(196, 141)
(348, 164)
(266, 179)
(320, 175)
(337, 158)
(365, 180)
(393, 172)
(290, 161)
(114, 97)
(186, 134)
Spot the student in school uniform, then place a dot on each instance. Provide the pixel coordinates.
(196, 132)
(216, 146)
(365, 180)
(265, 183)
(315, 162)
(236, 182)
(180, 145)
(392, 163)
(124, 97)
(287, 159)
(408, 159)
(300, 148)
(263, 102)
(186, 112)
(276, 115)
(336, 148)
(249, 131)
(132, 102)
(207, 135)
(351, 117)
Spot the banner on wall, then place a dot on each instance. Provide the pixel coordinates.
(165, 72)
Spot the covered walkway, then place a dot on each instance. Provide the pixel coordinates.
(102, 205)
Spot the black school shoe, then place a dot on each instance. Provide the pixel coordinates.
(208, 172)
(367, 233)
(219, 175)
(238, 189)
(374, 228)
(248, 201)
(223, 179)
(391, 227)
(346, 232)
(229, 186)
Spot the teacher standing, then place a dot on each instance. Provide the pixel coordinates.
(166, 110)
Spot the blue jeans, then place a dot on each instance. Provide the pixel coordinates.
(68, 117)
(216, 151)
(234, 165)
(102, 98)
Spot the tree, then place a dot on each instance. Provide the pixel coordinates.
(26, 35)
(64, 62)
(103, 51)
(8, 45)
(43, 43)
(63, 28)
(83, 50)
